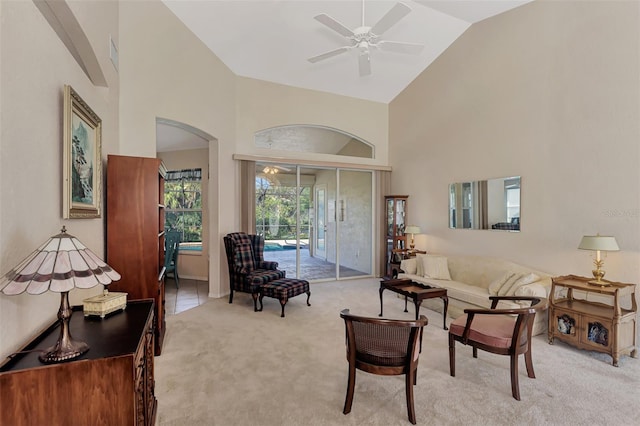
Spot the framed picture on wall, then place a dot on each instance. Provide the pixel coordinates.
(82, 159)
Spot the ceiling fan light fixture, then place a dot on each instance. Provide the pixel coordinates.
(270, 170)
(364, 37)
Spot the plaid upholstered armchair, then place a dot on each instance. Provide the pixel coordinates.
(247, 268)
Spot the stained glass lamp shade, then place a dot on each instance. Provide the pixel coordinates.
(59, 265)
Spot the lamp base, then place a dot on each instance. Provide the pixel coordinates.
(66, 348)
(64, 352)
(598, 274)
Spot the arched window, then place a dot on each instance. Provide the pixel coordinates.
(316, 139)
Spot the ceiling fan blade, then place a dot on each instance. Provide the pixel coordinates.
(396, 13)
(364, 63)
(334, 25)
(400, 47)
(328, 54)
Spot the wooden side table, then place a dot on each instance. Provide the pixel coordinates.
(416, 291)
(592, 325)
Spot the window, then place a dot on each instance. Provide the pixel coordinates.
(183, 201)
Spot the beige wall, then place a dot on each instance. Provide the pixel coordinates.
(192, 264)
(549, 91)
(34, 67)
(262, 105)
(166, 72)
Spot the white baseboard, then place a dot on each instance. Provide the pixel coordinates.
(191, 277)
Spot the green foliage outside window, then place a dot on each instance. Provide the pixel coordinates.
(276, 210)
(183, 204)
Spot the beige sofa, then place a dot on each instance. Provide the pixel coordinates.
(470, 280)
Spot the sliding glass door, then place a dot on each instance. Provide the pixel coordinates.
(317, 222)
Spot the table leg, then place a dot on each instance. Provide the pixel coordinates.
(416, 302)
(405, 304)
(381, 290)
(445, 299)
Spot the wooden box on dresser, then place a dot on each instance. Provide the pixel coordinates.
(135, 231)
(112, 384)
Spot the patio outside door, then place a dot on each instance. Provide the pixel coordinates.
(317, 221)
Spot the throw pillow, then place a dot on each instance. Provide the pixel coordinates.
(436, 267)
(409, 266)
(497, 284)
(524, 280)
(419, 268)
(532, 290)
(508, 284)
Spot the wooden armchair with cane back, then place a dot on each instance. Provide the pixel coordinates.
(384, 347)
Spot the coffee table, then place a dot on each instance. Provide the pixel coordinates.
(418, 292)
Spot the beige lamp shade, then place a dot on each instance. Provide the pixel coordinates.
(412, 229)
(598, 242)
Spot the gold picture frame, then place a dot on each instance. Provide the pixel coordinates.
(82, 159)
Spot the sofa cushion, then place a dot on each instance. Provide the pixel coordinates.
(497, 284)
(508, 284)
(436, 267)
(523, 280)
(460, 291)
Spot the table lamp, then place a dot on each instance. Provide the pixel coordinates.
(412, 229)
(61, 264)
(598, 243)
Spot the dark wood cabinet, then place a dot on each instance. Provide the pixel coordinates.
(112, 384)
(135, 231)
(396, 221)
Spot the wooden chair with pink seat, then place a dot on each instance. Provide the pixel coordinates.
(499, 331)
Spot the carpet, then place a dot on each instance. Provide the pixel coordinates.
(223, 364)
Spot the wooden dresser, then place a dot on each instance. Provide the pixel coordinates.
(112, 384)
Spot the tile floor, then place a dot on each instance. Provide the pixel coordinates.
(190, 294)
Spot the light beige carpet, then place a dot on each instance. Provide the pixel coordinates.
(224, 364)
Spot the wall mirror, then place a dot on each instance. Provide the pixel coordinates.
(485, 204)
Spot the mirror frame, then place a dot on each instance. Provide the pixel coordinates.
(491, 204)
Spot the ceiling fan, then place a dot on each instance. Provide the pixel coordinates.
(273, 169)
(363, 38)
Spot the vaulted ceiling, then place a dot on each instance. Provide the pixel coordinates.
(272, 40)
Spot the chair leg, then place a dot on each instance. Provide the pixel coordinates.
(529, 363)
(515, 388)
(475, 352)
(350, 388)
(409, 382)
(452, 355)
(231, 296)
